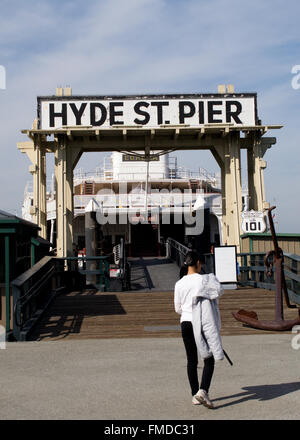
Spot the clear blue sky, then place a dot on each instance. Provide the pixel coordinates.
(142, 46)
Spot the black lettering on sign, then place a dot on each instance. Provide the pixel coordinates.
(211, 112)
(186, 110)
(103, 117)
(233, 114)
(159, 105)
(78, 112)
(113, 113)
(201, 112)
(53, 115)
(138, 111)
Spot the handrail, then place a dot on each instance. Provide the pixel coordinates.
(176, 251)
(34, 289)
(177, 245)
(98, 276)
(253, 273)
(32, 292)
(25, 276)
(252, 269)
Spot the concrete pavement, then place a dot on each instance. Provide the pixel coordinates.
(137, 379)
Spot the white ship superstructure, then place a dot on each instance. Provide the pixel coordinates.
(151, 195)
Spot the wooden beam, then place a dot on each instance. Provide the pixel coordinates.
(201, 133)
(225, 132)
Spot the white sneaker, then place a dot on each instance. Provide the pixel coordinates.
(195, 401)
(203, 398)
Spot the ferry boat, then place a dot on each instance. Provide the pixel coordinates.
(142, 201)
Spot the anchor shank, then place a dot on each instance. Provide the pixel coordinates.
(274, 238)
(278, 290)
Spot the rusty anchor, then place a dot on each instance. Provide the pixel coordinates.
(279, 323)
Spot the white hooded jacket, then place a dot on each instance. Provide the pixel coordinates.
(206, 318)
(197, 300)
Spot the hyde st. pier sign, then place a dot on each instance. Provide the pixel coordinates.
(69, 125)
(147, 111)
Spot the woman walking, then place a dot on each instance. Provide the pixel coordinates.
(196, 300)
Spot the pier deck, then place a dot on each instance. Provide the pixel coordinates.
(91, 314)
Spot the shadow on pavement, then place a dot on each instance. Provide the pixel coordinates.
(260, 392)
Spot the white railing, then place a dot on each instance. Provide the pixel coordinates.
(176, 251)
(106, 172)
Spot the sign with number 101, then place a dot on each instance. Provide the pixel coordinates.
(253, 222)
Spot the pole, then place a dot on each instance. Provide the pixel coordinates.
(91, 239)
(278, 270)
(146, 189)
(52, 233)
(227, 357)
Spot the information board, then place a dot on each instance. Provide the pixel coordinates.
(225, 264)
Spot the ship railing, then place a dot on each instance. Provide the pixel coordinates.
(172, 174)
(80, 174)
(28, 190)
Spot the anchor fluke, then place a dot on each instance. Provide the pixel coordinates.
(251, 319)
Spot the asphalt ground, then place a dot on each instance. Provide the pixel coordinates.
(137, 379)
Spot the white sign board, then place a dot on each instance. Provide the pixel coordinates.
(150, 112)
(253, 221)
(225, 264)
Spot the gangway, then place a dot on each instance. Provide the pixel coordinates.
(153, 274)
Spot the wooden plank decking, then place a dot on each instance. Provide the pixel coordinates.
(142, 314)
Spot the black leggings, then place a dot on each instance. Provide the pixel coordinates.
(192, 360)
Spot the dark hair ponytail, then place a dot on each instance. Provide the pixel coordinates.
(191, 259)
